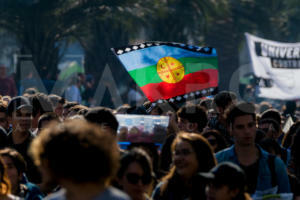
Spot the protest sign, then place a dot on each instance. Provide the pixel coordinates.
(276, 66)
(142, 128)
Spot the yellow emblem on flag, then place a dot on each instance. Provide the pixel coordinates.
(170, 70)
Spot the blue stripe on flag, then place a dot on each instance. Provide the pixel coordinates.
(151, 55)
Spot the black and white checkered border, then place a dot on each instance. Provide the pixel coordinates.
(123, 50)
(189, 96)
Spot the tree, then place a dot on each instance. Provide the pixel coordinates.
(43, 27)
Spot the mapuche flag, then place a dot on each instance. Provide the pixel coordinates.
(167, 71)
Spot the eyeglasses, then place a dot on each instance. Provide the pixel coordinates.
(134, 178)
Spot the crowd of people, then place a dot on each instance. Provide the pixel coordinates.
(214, 148)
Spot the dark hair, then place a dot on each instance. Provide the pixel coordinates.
(55, 99)
(207, 104)
(78, 151)
(295, 152)
(79, 108)
(272, 114)
(161, 107)
(70, 104)
(16, 158)
(102, 116)
(3, 137)
(3, 108)
(224, 99)
(135, 155)
(50, 116)
(221, 142)
(240, 109)
(30, 91)
(194, 114)
(40, 104)
(291, 107)
(269, 144)
(270, 121)
(288, 137)
(4, 182)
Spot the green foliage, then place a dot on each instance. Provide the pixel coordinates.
(43, 27)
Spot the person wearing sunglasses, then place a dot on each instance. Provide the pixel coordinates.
(135, 176)
(191, 154)
(215, 139)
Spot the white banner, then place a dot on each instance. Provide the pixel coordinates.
(277, 67)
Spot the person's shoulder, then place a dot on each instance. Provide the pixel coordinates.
(11, 197)
(34, 191)
(157, 191)
(112, 193)
(225, 153)
(59, 195)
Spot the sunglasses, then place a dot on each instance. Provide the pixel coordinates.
(134, 178)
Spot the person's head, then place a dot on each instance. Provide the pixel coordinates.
(290, 108)
(4, 182)
(15, 167)
(223, 100)
(76, 151)
(191, 154)
(192, 118)
(135, 173)
(207, 104)
(19, 112)
(123, 109)
(241, 121)
(272, 114)
(30, 91)
(41, 104)
(102, 117)
(75, 110)
(3, 116)
(66, 108)
(263, 106)
(57, 103)
(215, 139)
(46, 118)
(226, 181)
(270, 127)
(288, 137)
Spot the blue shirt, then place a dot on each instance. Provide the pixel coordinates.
(264, 179)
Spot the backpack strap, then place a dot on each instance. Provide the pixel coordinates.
(271, 163)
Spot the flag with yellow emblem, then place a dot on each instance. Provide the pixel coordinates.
(171, 71)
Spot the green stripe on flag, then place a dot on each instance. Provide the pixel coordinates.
(149, 74)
